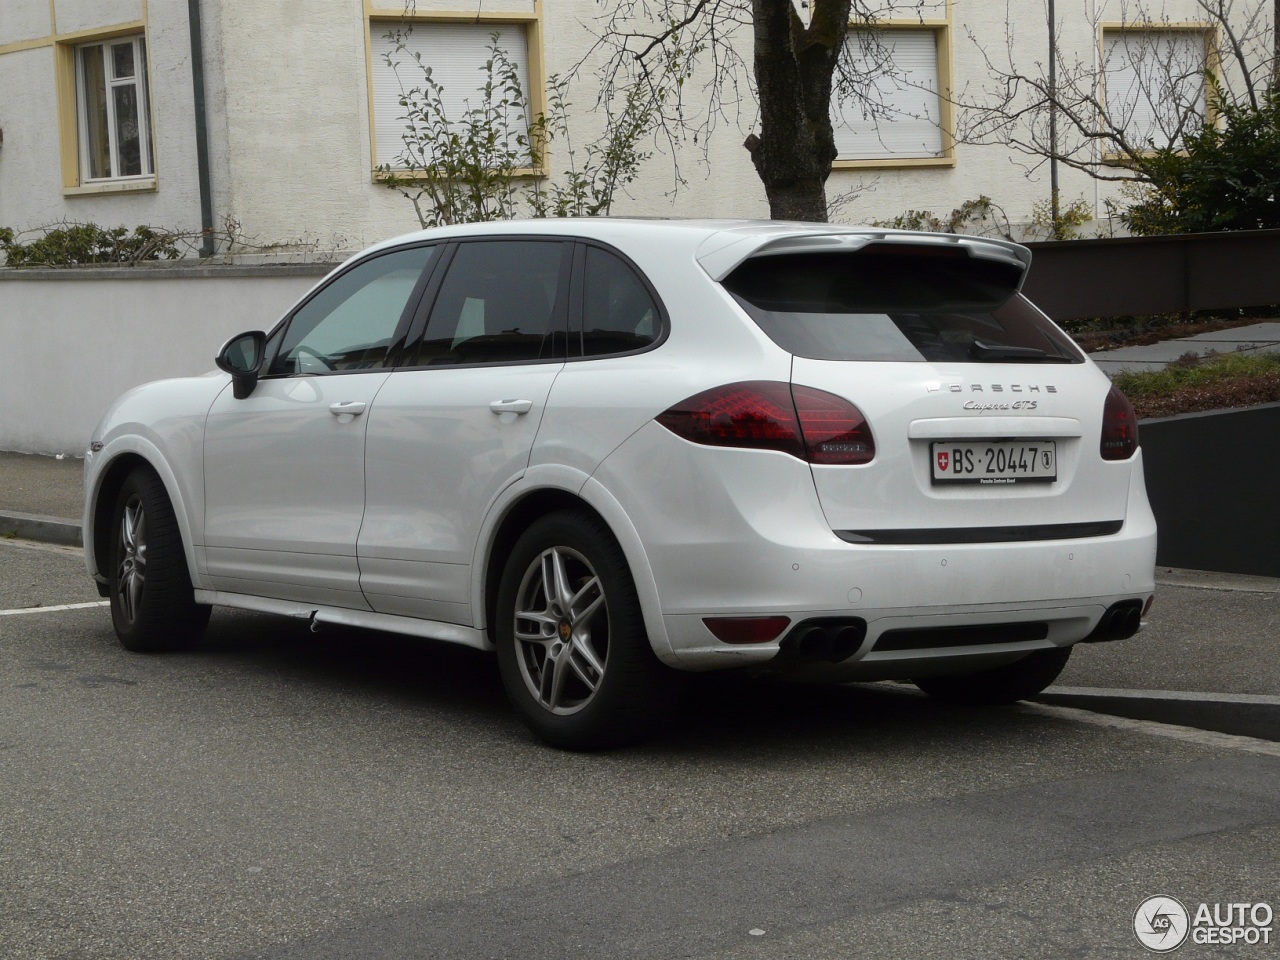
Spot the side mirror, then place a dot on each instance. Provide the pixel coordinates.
(241, 356)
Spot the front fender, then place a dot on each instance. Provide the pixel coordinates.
(171, 443)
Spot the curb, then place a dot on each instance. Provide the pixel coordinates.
(1239, 714)
(1210, 580)
(31, 526)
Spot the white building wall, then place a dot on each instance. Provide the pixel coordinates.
(288, 101)
(30, 178)
(297, 128)
(323, 189)
(32, 193)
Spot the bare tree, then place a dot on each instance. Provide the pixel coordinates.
(686, 55)
(1153, 84)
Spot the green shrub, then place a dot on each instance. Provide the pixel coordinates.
(1224, 177)
(72, 244)
(1215, 382)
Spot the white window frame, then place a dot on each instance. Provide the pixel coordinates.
(142, 98)
(1128, 96)
(913, 101)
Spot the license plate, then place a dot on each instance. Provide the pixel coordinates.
(995, 462)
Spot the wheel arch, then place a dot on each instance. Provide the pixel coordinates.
(590, 499)
(108, 479)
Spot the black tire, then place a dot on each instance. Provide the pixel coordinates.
(581, 674)
(153, 608)
(1015, 681)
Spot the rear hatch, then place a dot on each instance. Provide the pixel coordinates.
(986, 418)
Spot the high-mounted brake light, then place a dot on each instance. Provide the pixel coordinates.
(1119, 427)
(809, 424)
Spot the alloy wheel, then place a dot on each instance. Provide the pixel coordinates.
(562, 630)
(132, 574)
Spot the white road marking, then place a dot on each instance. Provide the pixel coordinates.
(55, 609)
(1190, 696)
(1204, 738)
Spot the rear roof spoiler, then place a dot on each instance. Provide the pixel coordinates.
(720, 254)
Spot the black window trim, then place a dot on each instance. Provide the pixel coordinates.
(394, 350)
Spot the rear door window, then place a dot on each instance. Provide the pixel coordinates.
(899, 304)
(501, 301)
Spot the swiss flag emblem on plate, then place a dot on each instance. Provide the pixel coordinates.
(943, 461)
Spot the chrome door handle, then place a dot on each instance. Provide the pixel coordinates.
(518, 407)
(352, 408)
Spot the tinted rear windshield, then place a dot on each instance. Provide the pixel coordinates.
(902, 304)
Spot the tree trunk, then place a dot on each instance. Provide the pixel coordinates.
(794, 67)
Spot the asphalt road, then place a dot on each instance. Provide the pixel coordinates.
(280, 795)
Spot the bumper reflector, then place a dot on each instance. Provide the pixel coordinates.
(742, 630)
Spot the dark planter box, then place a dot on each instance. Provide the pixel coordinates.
(1214, 484)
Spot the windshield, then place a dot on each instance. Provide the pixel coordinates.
(897, 304)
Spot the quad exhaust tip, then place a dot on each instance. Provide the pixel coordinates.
(1121, 621)
(828, 640)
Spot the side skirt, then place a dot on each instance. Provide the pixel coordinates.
(364, 619)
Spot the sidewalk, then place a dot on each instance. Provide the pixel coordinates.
(41, 498)
(1256, 338)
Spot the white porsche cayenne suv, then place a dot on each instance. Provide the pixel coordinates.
(613, 451)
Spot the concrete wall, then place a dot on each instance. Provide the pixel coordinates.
(76, 339)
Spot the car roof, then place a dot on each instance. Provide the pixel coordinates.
(721, 245)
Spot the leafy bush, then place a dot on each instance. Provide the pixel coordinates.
(484, 164)
(1225, 176)
(1067, 224)
(72, 244)
(982, 216)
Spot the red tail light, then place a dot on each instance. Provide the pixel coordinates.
(834, 430)
(1119, 427)
(809, 424)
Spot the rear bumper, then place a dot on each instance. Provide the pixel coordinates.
(747, 538)
(1066, 585)
(1063, 625)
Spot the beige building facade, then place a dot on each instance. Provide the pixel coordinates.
(273, 116)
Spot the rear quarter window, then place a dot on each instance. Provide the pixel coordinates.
(904, 304)
(619, 314)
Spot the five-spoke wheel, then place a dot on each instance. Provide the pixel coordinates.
(562, 630)
(131, 571)
(572, 648)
